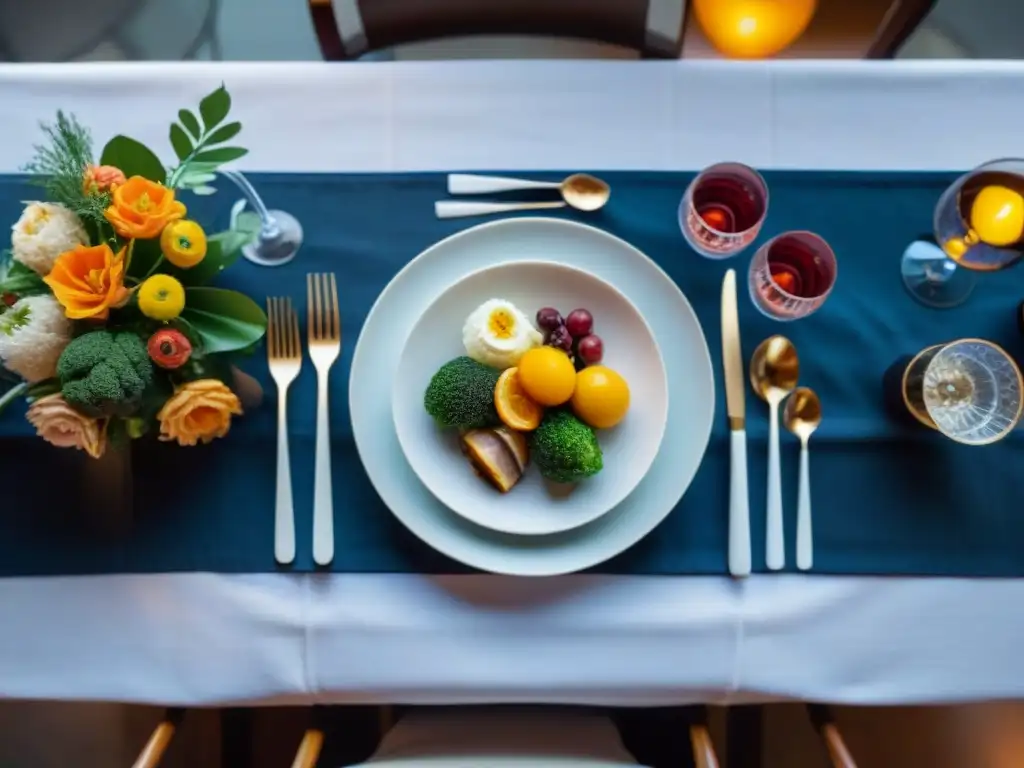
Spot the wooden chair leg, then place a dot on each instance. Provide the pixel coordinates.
(744, 736)
(825, 724)
(309, 749)
(703, 749)
(160, 739)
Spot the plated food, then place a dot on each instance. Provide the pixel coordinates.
(515, 412)
(521, 390)
(400, 447)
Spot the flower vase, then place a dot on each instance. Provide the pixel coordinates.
(108, 490)
(248, 389)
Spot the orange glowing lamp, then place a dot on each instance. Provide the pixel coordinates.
(753, 29)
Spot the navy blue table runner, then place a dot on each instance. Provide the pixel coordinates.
(888, 499)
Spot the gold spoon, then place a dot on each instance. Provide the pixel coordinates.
(585, 192)
(581, 190)
(802, 417)
(774, 370)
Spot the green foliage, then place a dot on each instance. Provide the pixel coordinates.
(190, 122)
(13, 319)
(133, 158)
(222, 250)
(145, 254)
(224, 321)
(58, 166)
(565, 449)
(461, 394)
(42, 389)
(105, 373)
(118, 438)
(18, 279)
(196, 143)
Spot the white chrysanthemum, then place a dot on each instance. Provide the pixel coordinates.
(44, 232)
(33, 333)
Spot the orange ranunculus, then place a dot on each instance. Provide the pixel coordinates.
(101, 178)
(89, 281)
(142, 208)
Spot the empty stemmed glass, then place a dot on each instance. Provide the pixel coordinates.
(791, 275)
(723, 209)
(979, 227)
(970, 390)
(278, 233)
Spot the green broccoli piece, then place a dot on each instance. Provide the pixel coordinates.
(565, 449)
(461, 394)
(104, 373)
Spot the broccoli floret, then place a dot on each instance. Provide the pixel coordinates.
(461, 394)
(104, 373)
(565, 449)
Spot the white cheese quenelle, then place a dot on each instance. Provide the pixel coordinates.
(497, 334)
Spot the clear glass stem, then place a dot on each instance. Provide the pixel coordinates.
(10, 395)
(268, 224)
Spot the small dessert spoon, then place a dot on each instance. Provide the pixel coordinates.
(802, 417)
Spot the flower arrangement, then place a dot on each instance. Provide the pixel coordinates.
(107, 321)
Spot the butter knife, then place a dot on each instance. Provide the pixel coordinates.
(732, 362)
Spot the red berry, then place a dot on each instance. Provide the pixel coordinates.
(579, 322)
(591, 349)
(548, 319)
(560, 339)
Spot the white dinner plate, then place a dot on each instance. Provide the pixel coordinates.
(532, 507)
(683, 348)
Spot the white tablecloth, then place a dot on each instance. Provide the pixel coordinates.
(206, 638)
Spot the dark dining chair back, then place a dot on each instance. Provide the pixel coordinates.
(348, 29)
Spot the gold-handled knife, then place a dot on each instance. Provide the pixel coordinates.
(732, 362)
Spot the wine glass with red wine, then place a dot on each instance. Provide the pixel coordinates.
(723, 209)
(791, 275)
(979, 227)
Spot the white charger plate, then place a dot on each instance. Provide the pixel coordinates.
(683, 348)
(532, 507)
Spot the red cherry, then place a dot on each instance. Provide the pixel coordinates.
(591, 349)
(579, 322)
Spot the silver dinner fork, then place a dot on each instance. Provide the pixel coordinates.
(324, 330)
(284, 356)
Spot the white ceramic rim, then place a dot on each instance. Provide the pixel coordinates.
(620, 496)
(579, 548)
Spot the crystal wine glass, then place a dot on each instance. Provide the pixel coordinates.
(791, 275)
(279, 233)
(979, 227)
(723, 209)
(969, 390)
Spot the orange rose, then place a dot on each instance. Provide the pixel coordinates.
(142, 208)
(89, 281)
(198, 411)
(101, 178)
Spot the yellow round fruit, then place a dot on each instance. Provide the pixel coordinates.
(997, 215)
(161, 297)
(515, 408)
(601, 398)
(547, 375)
(183, 243)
